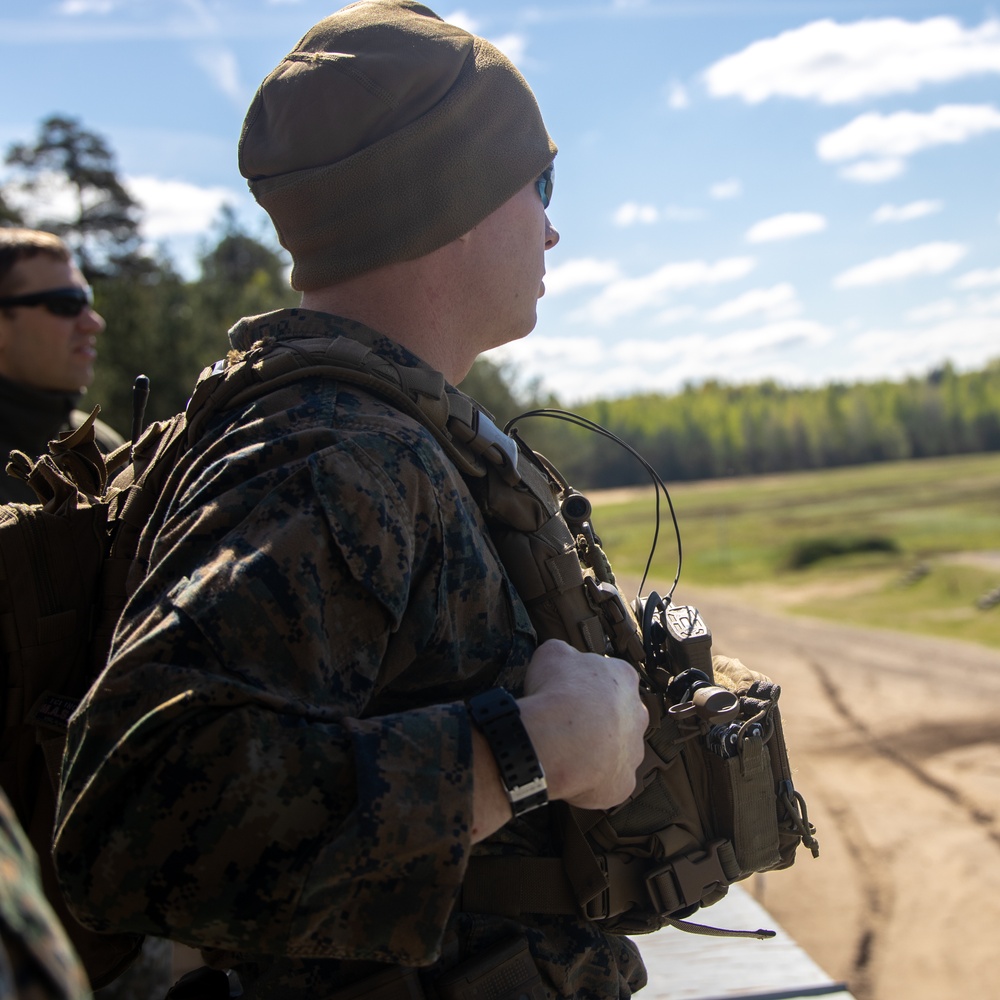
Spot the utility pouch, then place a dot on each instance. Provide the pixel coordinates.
(755, 776)
(507, 972)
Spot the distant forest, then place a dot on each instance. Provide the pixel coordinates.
(168, 326)
(713, 429)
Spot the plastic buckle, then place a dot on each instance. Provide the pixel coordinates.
(599, 908)
(625, 887)
(693, 878)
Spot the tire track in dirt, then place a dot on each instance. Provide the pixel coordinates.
(870, 968)
(877, 894)
(978, 816)
(876, 891)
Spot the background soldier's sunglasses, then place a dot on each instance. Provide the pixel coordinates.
(59, 301)
(544, 184)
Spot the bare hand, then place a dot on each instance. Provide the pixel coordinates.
(586, 721)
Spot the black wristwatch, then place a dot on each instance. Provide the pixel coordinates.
(496, 715)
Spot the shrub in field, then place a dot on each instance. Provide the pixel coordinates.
(813, 550)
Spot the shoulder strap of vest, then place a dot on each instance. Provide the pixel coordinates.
(470, 438)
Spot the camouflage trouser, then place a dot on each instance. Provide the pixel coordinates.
(147, 978)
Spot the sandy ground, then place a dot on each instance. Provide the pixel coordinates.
(895, 740)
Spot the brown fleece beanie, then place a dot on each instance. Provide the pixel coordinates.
(385, 134)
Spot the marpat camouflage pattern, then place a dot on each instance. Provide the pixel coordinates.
(37, 961)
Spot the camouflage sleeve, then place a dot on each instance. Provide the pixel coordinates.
(37, 961)
(225, 783)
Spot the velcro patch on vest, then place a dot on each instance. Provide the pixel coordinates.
(52, 711)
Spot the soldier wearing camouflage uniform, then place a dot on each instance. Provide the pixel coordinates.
(37, 961)
(280, 764)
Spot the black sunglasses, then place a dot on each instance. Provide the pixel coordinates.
(59, 301)
(544, 184)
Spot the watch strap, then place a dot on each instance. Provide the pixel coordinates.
(496, 715)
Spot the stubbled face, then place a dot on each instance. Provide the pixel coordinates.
(42, 350)
(510, 265)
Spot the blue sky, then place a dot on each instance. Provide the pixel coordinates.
(805, 191)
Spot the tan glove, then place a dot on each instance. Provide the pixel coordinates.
(733, 675)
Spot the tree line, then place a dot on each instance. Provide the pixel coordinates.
(168, 326)
(714, 429)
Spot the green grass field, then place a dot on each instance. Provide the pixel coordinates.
(937, 522)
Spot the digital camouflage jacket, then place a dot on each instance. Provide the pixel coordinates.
(277, 761)
(37, 961)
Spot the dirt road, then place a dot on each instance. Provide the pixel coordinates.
(896, 744)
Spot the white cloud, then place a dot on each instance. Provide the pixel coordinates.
(979, 278)
(586, 367)
(74, 8)
(176, 208)
(966, 341)
(777, 302)
(730, 356)
(933, 312)
(836, 63)
(985, 307)
(731, 188)
(580, 273)
(785, 227)
(906, 213)
(513, 46)
(632, 212)
(565, 365)
(462, 19)
(873, 171)
(677, 96)
(771, 337)
(947, 308)
(168, 208)
(929, 258)
(630, 295)
(904, 133)
(676, 315)
(52, 198)
(678, 213)
(220, 65)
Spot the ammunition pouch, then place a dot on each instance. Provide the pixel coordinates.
(713, 804)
